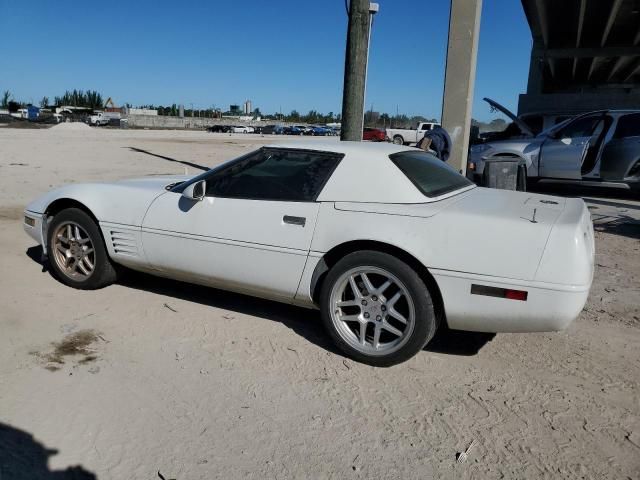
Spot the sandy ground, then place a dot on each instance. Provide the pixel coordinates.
(151, 375)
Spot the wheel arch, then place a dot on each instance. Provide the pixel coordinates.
(60, 204)
(330, 258)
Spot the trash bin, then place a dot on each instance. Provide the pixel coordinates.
(505, 174)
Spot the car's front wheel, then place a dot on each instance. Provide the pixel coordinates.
(77, 254)
(377, 309)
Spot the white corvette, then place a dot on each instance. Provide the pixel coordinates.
(387, 241)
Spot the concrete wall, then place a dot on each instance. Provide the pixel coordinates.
(141, 111)
(192, 123)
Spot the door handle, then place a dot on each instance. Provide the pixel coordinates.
(294, 220)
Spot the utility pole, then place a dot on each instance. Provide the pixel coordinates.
(355, 68)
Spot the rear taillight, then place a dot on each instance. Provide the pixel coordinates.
(515, 295)
(507, 293)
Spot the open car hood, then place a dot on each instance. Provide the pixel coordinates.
(524, 128)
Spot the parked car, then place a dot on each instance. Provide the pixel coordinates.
(317, 131)
(219, 128)
(242, 129)
(374, 134)
(273, 130)
(406, 136)
(293, 131)
(384, 255)
(597, 149)
(535, 122)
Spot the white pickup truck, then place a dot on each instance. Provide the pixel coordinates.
(103, 118)
(407, 136)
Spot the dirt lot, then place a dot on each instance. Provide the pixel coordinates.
(155, 376)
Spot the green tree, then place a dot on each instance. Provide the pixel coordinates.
(6, 98)
(44, 102)
(294, 116)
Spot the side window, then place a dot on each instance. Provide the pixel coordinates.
(271, 174)
(628, 126)
(583, 127)
(426, 126)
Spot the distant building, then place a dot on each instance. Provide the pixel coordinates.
(247, 108)
(234, 109)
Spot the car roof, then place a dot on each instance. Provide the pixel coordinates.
(365, 174)
(384, 149)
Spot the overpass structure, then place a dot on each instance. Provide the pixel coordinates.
(585, 55)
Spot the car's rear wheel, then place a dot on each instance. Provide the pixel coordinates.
(398, 140)
(76, 250)
(377, 309)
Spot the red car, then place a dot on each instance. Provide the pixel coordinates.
(374, 134)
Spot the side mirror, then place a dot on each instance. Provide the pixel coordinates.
(195, 191)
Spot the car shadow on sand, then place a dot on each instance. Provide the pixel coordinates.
(182, 162)
(22, 457)
(305, 322)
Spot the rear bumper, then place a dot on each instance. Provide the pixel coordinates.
(548, 307)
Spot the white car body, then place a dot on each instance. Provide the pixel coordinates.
(535, 243)
(408, 136)
(243, 129)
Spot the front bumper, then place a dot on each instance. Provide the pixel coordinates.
(33, 225)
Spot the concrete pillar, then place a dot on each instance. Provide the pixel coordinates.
(460, 75)
(536, 67)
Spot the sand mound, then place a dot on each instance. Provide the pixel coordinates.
(71, 126)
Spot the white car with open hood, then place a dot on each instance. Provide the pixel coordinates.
(383, 239)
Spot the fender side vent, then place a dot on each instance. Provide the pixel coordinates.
(124, 243)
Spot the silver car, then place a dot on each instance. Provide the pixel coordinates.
(599, 148)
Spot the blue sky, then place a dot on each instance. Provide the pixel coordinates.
(280, 54)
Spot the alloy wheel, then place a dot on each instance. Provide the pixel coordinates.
(73, 251)
(372, 310)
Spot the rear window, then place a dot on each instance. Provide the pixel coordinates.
(431, 176)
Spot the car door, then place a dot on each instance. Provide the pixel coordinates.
(621, 155)
(253, 229)
(562, 154)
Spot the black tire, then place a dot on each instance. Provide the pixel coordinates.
(104, 272)
(398, 140)
(425, 324)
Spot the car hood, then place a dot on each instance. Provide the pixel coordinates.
(523, 126)
(123, 201)
(153, 182)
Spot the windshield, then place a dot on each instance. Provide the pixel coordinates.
(431, 176)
